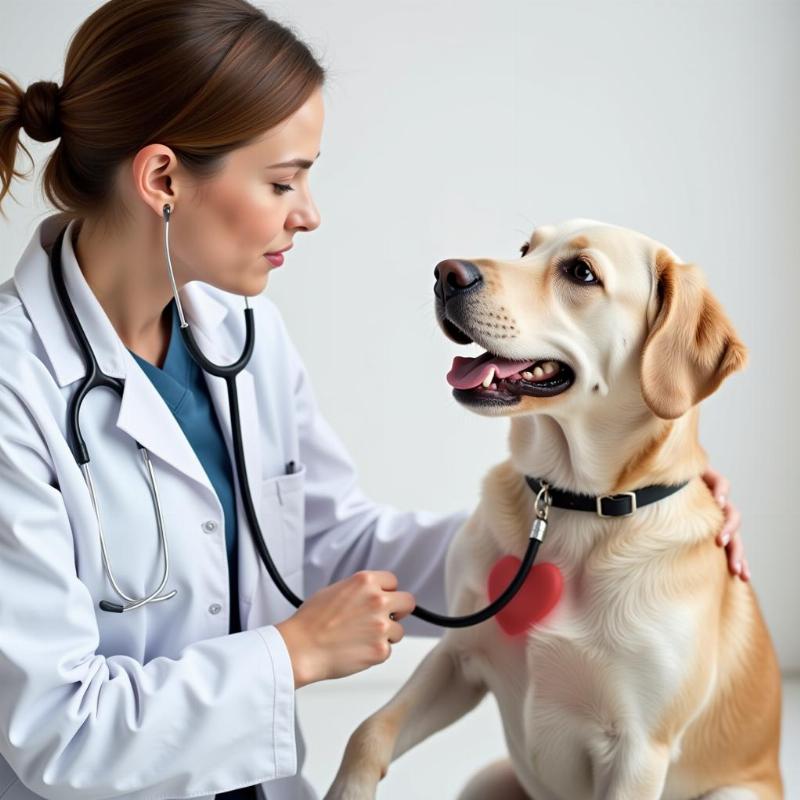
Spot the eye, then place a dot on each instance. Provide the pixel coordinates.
(524, 249)
(579, 271)
(282, 188)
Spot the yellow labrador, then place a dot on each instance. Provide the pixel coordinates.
(654, 676)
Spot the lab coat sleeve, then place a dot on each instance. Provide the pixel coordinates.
(347, 532)
(75, 725)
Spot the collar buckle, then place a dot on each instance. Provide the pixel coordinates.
(600, 499)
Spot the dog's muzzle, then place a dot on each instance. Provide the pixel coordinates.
(490, 378)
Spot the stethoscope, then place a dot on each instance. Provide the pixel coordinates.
(95, 377)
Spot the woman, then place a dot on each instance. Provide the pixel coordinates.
(186, 134)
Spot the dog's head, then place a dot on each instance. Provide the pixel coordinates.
(590, 313)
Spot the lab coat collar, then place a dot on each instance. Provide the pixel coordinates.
(142, 414)
(35, 286)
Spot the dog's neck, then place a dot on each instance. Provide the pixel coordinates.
(606, 455)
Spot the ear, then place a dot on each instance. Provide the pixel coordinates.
(691, 347)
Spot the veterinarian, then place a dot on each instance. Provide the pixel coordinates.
(144, 650)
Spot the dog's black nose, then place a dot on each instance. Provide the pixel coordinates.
(454, 276)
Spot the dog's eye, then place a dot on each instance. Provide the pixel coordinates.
(579, 271)
(524, 249)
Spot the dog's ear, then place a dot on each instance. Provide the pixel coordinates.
(691, 347)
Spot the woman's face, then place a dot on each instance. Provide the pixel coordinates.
(221, 229)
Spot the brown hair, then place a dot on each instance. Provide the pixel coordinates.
(203, 78)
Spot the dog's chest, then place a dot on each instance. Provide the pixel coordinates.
(604, 665)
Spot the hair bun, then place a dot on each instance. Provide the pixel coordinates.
(39, 113)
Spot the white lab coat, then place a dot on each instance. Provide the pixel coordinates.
(162, 702)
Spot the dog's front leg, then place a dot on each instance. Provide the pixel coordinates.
(436, 695)
(636, 771)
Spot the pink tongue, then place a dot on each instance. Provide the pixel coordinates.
(467, 373)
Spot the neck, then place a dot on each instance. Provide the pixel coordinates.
(607, 455)
(128, 276)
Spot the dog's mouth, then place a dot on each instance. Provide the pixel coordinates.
(493, 380)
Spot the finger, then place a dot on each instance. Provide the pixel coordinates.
(721, 490)
(396, 633)
(711, 476)
(402, 604)
(732, 521)
(727, 531)
(718, 484)
(386, 580)
(735, 552)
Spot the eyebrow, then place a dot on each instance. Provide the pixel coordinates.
(573, 249)
(303, 163)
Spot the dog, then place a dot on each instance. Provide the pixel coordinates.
(654, 675)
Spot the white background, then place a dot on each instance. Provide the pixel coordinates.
(453, 129)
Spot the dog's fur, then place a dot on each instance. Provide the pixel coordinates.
(655, 675)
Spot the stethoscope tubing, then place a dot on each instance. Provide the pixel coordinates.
(96, 377)
(93, 378)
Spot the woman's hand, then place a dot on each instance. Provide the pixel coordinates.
(346, 627)
(729, 535)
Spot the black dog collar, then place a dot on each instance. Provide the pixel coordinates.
(606, 505)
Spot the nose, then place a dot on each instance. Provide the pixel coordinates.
(454, 276)
(304, 218)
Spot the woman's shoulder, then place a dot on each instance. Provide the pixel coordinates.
(26, 370)
(9, 299)
(17, 334)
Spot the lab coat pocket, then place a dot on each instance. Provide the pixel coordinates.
(283, 514)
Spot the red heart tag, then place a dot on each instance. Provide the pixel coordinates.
(535, 599)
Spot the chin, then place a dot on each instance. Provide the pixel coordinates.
(252, 287)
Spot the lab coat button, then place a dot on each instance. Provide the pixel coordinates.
(209, 526)
(215, 608)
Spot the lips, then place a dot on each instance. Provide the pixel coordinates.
(276, 258)
(278, 252)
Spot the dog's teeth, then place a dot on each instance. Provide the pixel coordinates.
(528, 376)
(487, 381)
(538, 372)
